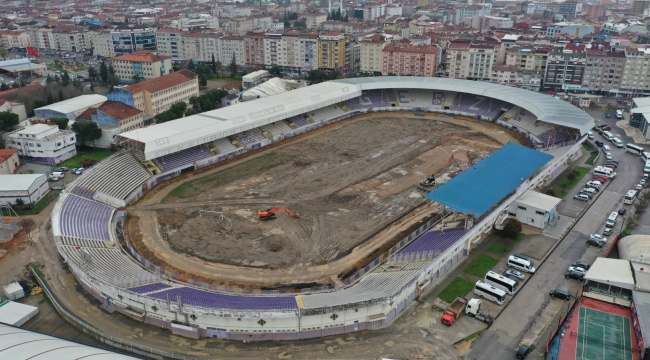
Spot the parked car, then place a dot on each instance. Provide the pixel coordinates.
(608, 115)
(53, 177)
(597, 238)
(608, 156)
(600, 126)
(600, 178)
(582, 264)
(574, 275)
(523, 351)
(622, 211)
(599, 143)
(608, 231)
(514, 273)
(589, 196)
(62, 169)
(642, 181)
(595, 243)
(595, 183)
(578, 269)
(606, 128)
(581, 197)
(613, 161)
(77, 171)
(610, 163)
(590, 135)
(638, 187)
(561, 294)
(610, 166)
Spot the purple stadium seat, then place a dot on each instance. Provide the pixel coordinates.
(149, 288)
(85, 218)
(439, 240)
(194, 297)
(183, 158)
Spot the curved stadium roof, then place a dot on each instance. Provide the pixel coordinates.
(177, 135)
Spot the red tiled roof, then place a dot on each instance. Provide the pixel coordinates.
(6, 154)
(427, 49)
(87, 114)
(29, 91)
(163, 82)
(118, 110)
(142, 56)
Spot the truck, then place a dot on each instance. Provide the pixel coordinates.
(453, 311)
(473, 309)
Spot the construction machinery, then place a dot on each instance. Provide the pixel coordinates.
(426, 183)
(471, 307)
(270, 212)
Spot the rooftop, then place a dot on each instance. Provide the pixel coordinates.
(480, 187)
(538, 200)
(142, 56)
(18, 65)
(75, 104)
(6, 154)
(18, 182)
(616, 272)
(163, 82)
(118, 110)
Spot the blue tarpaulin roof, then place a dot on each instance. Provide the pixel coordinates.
(487, 182)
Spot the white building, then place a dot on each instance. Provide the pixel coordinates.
(29, 187)
(534, 209)
(43, 143)
(254, 78)
(70, 108)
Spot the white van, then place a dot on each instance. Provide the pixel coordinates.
(608, 135)
(600, 169)
(607, 149)
(605, 172)
(590, 135)
(522, 264)
(617, 142)
(619, 114)
(611, 220)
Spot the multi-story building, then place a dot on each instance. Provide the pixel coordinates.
(603, 70)
(352, 55)
(565, 70)
(570, 9)
(115, 114)
(254, 48)
(636, 74)
(42, 38)
(529, 80)
(275, 49)
(485, 23)
(373, 11)
(262, 22)
(191, 45)
(124, 40)
(468, 11)
(638, 6)
(208, 47)
(15, 39)
(314, 20)
(309, 51)
(504, 75)
(9, 161)
(144, 63)
(594, 11)
(157, 95)
(196, 22)
(169, 42)
(532, 59)
(71, 38)
(482, 57)
(405, 59)
(229, 45)
(42, 143)
(331, 51)
(371, 55)
(457, 60)
(578, 30)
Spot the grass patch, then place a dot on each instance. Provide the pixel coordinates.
(499, 249)
(40, 206)
(458, 287)
(481, 265)
(518, 238)
(196, 187)
(587, 146)
(570, 180)
(87, 153)
(591, 159)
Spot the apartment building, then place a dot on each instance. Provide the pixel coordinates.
(486, 23)
(504, 75)
(229, 45)
(169, 42)
(15, 39)
(457, 60)
(42, 143)
(124, 40)
(531, 59)
(254, 48)
(473, 10)
(570, 9)
(144, 63)
(565, 70)
(331, 51)
(603, 70)
(42, 38)
(157, 95)
(529, 80)
(371, 53)
(565, 28)
(314, 20)
(638, 6)
(309, 51)
(636, 74)
(405, 59)
(482, 57)
(71, 38)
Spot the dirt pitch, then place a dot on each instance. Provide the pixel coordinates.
(347, 184)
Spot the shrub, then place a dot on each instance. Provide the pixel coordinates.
(512, 229)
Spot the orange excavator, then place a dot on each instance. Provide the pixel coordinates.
(269, 213)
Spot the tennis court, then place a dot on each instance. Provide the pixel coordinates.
(603, 335)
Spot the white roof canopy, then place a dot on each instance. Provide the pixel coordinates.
(615, 272)
(180, 134)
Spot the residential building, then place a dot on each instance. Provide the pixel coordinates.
(275, 49)
(595, 11)
(457, 60)
(118, 114)
(169, 42)
(565, 70)
(532, 59)
(309, 51)
(371, 53)
(314, 20)
(9, 161)
(196, 22)
(570, 9)
(565, 28)
(42, 38)
(331, 51)
(473, 10)
(603, 71)
(14, 107)
(352, 55)
(254, 48)
(639, 6)
(157, 95)
(482, 57)
(504, 75)
(70, 108)
(229, 45)
(42, 143)
(636, 74)
(405, 59)
(529, 80)
(124, 40)
(15, 39)
(146, 64)
(632, 26)
(486, 23)
(71, 38)
(373, 11)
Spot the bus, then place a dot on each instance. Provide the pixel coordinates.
(501, 282)
(489, 292)
(646, 167)
(645, 156)
(636, 150)
(630, 196)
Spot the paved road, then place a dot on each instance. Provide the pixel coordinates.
(506, 333)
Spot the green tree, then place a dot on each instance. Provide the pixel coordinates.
(65, 79)
(15, 85)
(111, 70)
(92, 73)
(302, 24)
(103, 72)
(203, 81)
(287, 24)
(92, 87)
(512, 229)
(136, 78)
(190, 65)
(4, 87)
(213, 64)
(60, 95)
(3, 53)
(275, 70)
(50, 98)
(62, 122)
(293, 16)
(219, 66)
(175, 111)
(8, 120)
(87, 131)
(233, 66)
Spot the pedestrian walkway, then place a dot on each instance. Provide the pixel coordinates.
(634, 133)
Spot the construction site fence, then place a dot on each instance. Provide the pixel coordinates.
(104, 338)
(560, 325)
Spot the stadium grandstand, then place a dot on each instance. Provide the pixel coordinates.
(86, 219)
